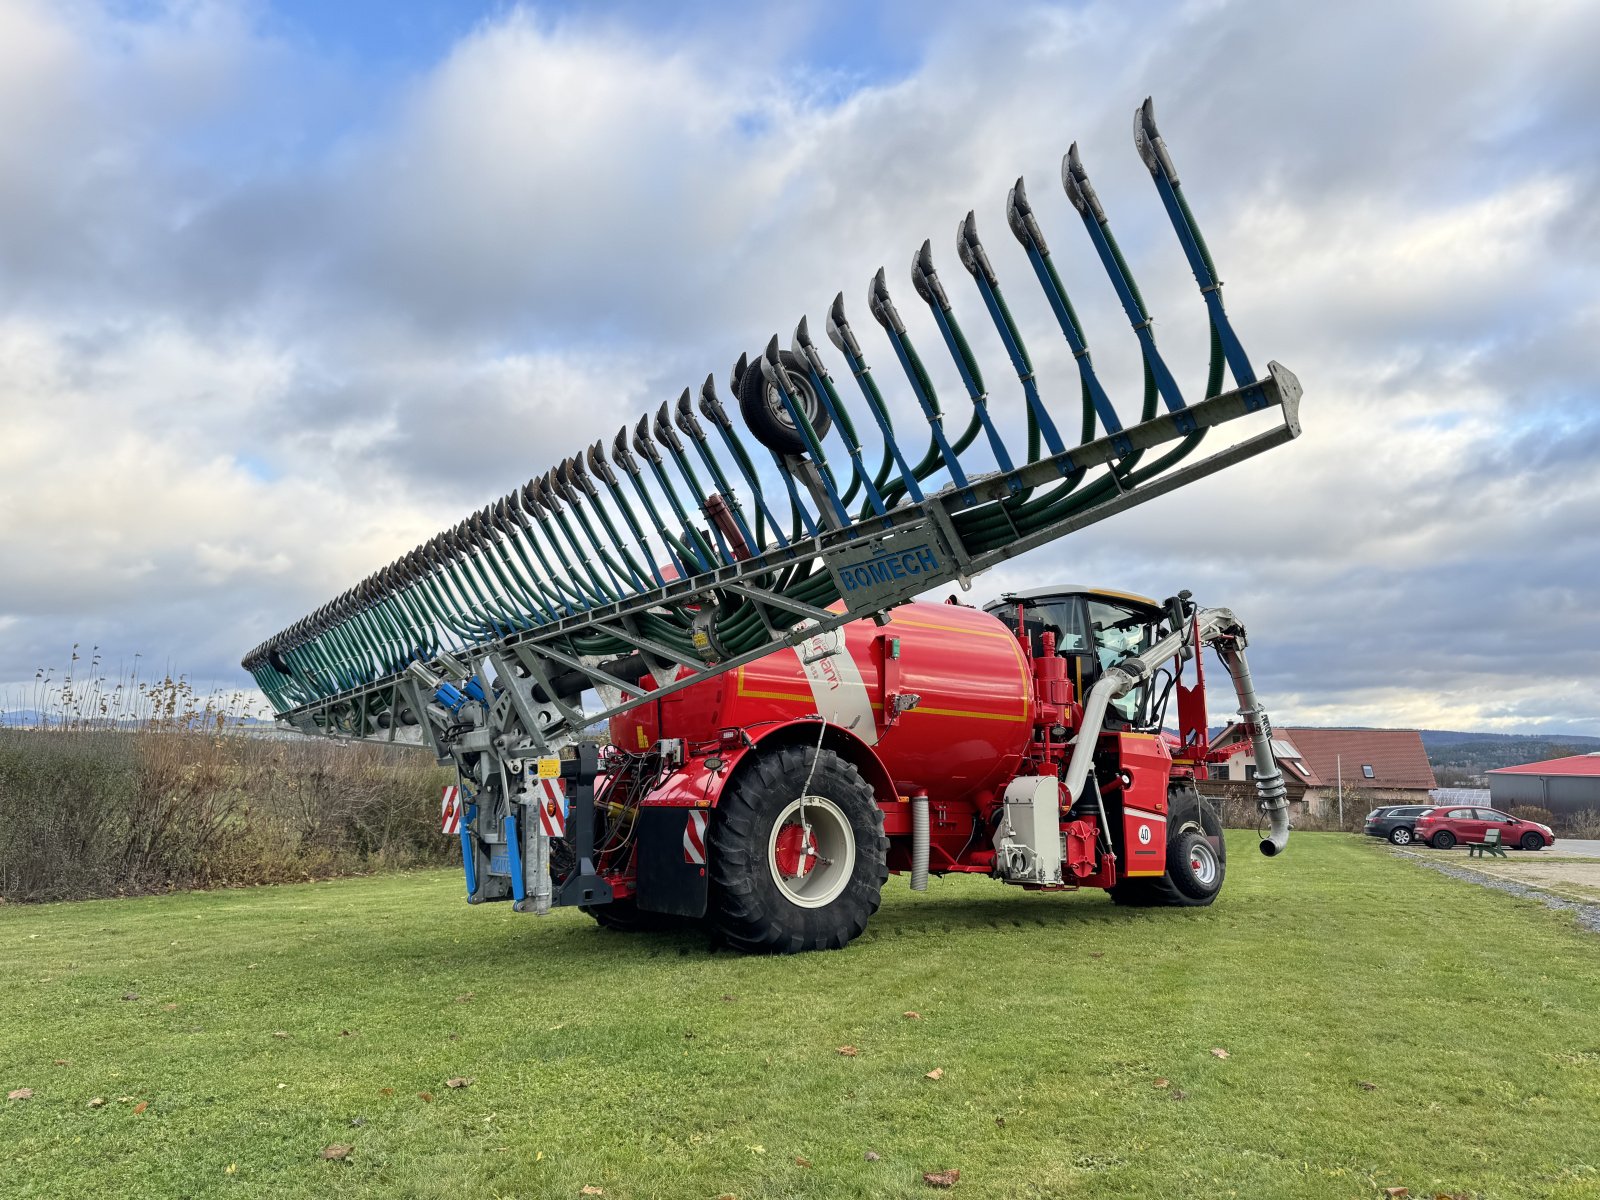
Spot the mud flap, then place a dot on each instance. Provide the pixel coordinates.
(672, 860)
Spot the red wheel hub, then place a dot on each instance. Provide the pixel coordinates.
(795, 852)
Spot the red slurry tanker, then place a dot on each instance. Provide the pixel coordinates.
(776, 799)
(789, 723)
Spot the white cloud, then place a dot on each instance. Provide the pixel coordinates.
(262, 328)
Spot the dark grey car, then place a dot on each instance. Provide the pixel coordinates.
(1397, 822)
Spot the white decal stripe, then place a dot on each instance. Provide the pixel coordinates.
(836, 684)
(1148, 816)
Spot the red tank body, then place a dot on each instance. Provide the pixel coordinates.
(960, 740)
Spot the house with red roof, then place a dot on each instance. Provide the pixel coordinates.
(1561, 785)
(1389, 766)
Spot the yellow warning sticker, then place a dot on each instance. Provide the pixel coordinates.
(549, 768)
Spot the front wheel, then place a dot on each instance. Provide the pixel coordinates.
(1400, 836)
(1532, 841)
(797, 858)
(1443, 840)
(1197, 859)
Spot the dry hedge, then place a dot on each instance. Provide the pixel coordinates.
(93, 812)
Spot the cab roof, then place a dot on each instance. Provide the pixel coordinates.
(1072, 589)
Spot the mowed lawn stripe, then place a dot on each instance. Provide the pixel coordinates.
(1382, 1024)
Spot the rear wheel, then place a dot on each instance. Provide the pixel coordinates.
(1400, 836)
(1197, 859)
(796, 866)
(1443, 840)
(1532, 841)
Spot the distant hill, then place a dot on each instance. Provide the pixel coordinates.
(1446, 737)
(1461, 759)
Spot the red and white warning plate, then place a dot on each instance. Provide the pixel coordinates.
(450, 811)
(551, 796)
(694, 838)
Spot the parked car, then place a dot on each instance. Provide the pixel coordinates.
(1395, 822)
(1443, 827)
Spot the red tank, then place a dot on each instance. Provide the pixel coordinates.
(942, 694)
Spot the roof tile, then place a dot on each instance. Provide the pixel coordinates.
(1396, 756)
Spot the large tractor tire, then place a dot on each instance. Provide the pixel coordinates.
(768, 417)
(1197, 859)
(793, 872)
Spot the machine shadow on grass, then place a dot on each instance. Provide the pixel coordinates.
(908, 919)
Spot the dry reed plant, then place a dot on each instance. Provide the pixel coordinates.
(119, 786)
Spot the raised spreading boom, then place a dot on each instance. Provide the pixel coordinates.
(486, 636)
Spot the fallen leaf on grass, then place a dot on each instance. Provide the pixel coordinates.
(347, 1033)
(1179, 1094)
(465, 997)
(1397, 1191)
(800, 1160)
(729, 998)
(385, 1091)
(20, 1094)
(98, 1102)
(357, 1122)
(280, 1033)
(130, 995)
(1161, 1083)
(941, 1179)
(425, 1097)
(1218, 1052)
(231, 1169)
(460, 1081)
(1097, 954)
(169, 1008)
(337, 1152)
(999, 1122)
(141, 1106)
(587, 1190)
(936, 1073)
(872, 1156)
(912, 1016)
(1367, 1087)
(61, 1062)
(849, 1051)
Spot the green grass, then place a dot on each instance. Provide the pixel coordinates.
(646, 1066)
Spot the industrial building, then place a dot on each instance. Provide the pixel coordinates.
(1561, 785)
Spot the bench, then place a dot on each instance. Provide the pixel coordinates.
(1489, 845)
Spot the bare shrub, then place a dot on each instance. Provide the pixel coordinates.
(97, 812)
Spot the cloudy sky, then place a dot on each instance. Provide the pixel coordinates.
(285, 288)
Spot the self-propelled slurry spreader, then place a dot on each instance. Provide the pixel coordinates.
(788, 724)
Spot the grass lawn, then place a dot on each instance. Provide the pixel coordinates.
(1383, 1024)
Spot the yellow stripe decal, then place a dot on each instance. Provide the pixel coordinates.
(1140, 874)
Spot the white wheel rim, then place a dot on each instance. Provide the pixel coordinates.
(1203, 862)
(827, 855)
(1402, 836)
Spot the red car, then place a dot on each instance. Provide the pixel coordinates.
(1443, 827)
